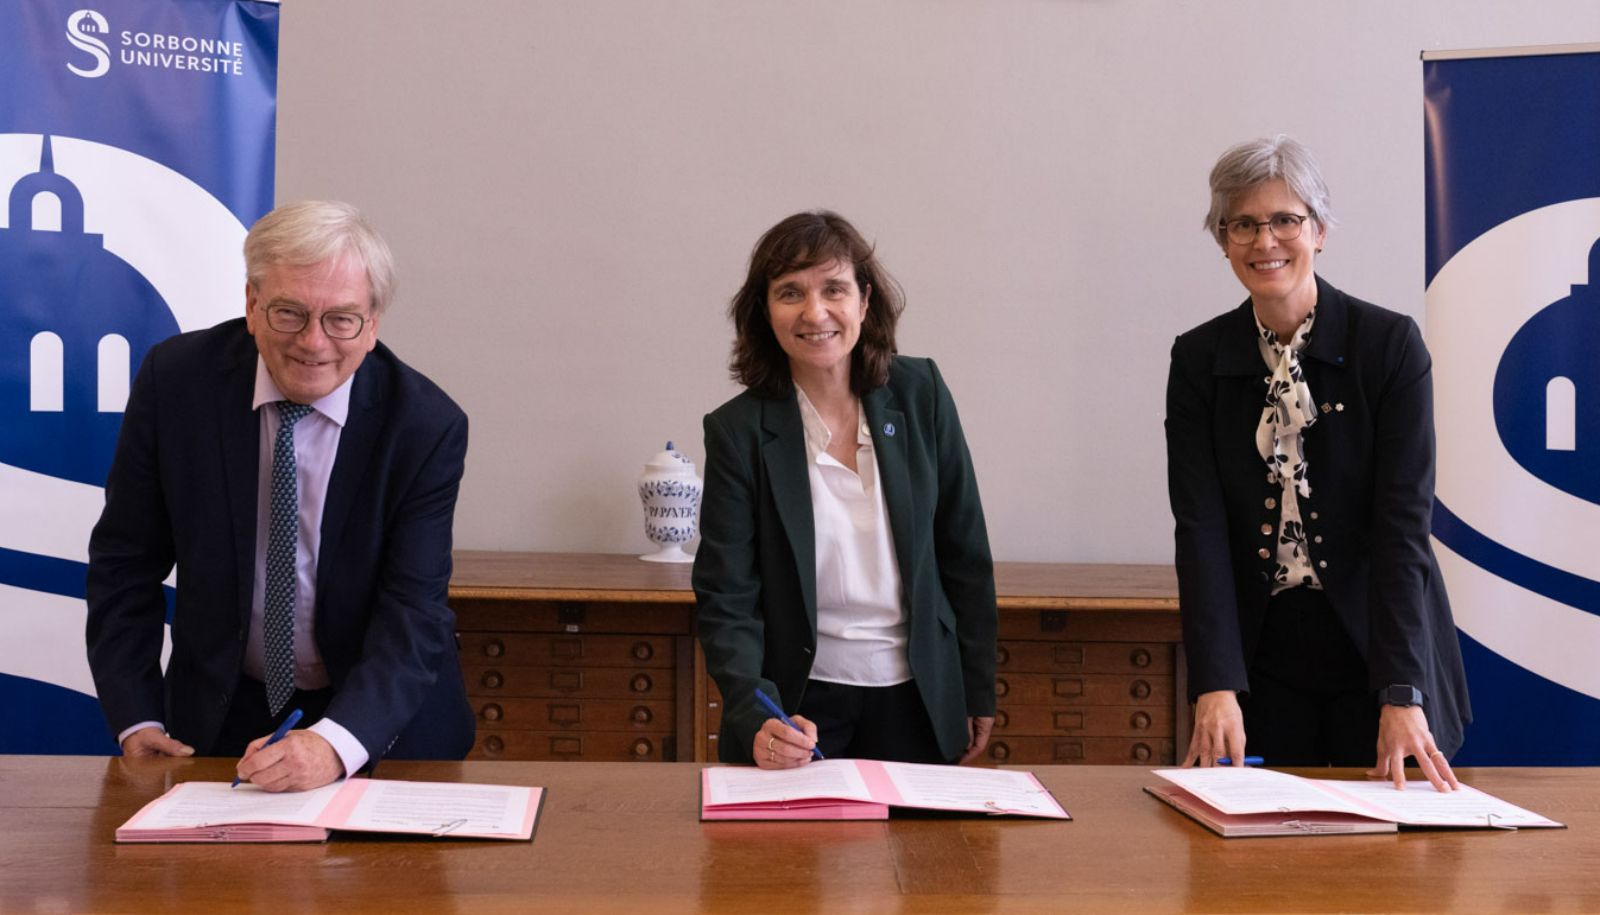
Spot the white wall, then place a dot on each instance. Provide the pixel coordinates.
(572, 190)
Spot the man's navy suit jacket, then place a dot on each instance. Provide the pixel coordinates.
(182, 491)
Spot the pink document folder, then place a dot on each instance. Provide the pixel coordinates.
(865, 789)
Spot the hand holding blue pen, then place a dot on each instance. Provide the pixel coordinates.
(772, 707)
(1248, 760)
(283, 729)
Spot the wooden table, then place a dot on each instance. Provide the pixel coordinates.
(625, 837)
(592, 657)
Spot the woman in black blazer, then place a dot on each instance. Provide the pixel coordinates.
(844, 568)
(1300, 466)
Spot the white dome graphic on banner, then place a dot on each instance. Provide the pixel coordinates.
(1516, 355)
(103, 253)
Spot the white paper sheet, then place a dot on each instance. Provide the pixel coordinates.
(965, 788)
(831, 778)
(215, 803)
(440, 808)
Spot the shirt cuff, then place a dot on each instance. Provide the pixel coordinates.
(350, 750)
(139, 727)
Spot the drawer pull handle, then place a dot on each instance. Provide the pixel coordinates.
(493, 745)
(643, 651)
(567, 681)
(1140, 689)
(566, 649)
(1069, 751)
(566, 746)
(1140, 721)
(1141, 752)
(1002, 655)
(641, 748)
(641, 715)
(494, 648)
(641, 683)
(999, 750)
(1001, 718)
(492, 712)
(565, 713)
(1067, 687)
(1001, 687)
(492, 680)
(1140, 657)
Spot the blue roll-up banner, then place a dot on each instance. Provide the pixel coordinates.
(136, 147)
(1513, 318)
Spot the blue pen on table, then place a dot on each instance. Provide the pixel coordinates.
(288, 724)
(777, 713)
(1248, 760)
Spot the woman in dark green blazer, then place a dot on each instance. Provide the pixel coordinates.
(844, 567)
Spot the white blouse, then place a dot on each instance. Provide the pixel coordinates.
(861, 625)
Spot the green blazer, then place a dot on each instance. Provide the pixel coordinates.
(755, 572)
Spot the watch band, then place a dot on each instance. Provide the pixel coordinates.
(1403, 695)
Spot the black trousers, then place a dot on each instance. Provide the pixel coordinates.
(248, 718)
(1309, 702)
(871, 722)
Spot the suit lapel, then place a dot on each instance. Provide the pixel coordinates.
(783, 452)
(887, 424)
(1238, 356)
(1323, 363)
(362, 425)
(241, 461)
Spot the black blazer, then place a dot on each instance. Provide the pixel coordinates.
(755, 572)
(1370, 463)
(182, 490)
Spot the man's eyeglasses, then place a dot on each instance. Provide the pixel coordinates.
(338, 325)
(1242, 230)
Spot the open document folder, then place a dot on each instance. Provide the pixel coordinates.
(216, 812)
(865, 789)
(1260, 802)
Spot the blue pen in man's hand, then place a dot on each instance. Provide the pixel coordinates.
(1248, 760)
(285, 728)
(766, 701)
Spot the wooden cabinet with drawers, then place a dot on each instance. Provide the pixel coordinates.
(590, 656)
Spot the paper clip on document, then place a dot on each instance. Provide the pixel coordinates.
(1488, 820)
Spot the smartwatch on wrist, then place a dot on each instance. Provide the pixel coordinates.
(1400, 694)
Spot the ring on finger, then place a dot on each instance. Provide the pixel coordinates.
(770, 739)
(771, 756)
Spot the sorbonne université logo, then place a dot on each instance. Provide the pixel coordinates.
(104, 253)
(1514, 328)
(85, 29)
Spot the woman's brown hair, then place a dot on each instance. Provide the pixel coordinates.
(800, 242)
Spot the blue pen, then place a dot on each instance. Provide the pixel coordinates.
(765, 700)
(288, 724)
(1248, 760)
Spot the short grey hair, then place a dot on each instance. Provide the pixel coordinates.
(1252, 163)
(309, 232)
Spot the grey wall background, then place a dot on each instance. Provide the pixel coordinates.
(572, 190)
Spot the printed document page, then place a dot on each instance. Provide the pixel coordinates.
(962, 788)
(1421, 805)
(440, 808)
(834, 779)
(217, 803)
(1248, 790)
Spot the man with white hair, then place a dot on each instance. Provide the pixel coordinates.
(303, 481)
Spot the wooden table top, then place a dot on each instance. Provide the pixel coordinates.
(622, 578)
(625, 837)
